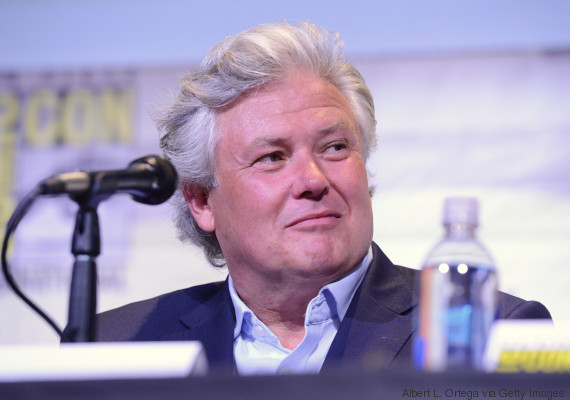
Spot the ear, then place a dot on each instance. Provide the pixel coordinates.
(197, 200)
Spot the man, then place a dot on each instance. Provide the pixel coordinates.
(270, 137)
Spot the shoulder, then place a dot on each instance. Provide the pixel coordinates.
(511, 307)
(402, 283)
(152, 318)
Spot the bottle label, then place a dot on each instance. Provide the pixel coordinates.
(458, 325)
(457, 307)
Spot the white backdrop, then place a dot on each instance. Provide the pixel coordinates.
(492, 125)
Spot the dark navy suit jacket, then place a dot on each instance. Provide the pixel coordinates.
(376, 331)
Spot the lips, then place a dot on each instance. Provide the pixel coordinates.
(322, 217)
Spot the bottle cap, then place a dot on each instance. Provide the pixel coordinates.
(463, 210)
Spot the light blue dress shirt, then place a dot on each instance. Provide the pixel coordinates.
(256, 348)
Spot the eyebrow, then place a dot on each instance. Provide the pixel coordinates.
(265, 141)
(335, 127)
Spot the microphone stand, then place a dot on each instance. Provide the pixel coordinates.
(86, 246)
(149, 180)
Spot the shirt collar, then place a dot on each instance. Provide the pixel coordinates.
(239, 306)
(341, 290)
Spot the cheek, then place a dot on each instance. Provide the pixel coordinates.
(355, 179)
(248, 199)
(359, 195)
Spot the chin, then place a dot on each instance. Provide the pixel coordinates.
(324, 263)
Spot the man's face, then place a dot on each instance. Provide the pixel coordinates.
(292, 201)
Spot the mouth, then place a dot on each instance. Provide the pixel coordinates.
(324, 218)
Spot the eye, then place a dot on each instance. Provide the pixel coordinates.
(270, 161)
(270, 158)
(334, 147)
(336, 151)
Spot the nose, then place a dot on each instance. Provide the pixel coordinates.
(309, 180)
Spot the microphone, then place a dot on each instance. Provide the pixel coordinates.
(149, 180)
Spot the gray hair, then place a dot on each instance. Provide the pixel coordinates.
(231, 69)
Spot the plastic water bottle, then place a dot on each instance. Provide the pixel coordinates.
(458, 295)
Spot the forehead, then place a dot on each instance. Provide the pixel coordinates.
(300, 102)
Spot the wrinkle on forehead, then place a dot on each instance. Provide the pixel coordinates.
(289, 95)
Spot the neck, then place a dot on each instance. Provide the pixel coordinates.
(280, 307)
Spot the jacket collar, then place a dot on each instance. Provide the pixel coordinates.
(379, 320)
(212, 323)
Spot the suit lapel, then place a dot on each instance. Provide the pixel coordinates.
(212, 323)
(378, 322)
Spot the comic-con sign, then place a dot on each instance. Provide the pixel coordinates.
(59, 122)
